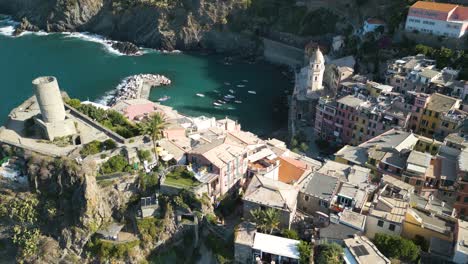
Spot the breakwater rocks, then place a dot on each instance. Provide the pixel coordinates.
(135, 87)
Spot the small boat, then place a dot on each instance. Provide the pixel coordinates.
(245, 81)
(229, 96)
(240, 85)
(221, 101)
(216, 91)
(164, 98)
(231, 91)
(217, 104)
(238, 102)
(200, 95)
(252, 92)
(231, 108)
(227, 83)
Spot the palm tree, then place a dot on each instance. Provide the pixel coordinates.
(272, 219)
(266, 220)
(153, 127)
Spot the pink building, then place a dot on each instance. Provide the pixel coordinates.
(225, 160)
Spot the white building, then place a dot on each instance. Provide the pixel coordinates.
(440, 19)
(371, 24)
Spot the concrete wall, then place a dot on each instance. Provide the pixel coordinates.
(96, 125)
(279, 53)
(310, 206)
(372, 228)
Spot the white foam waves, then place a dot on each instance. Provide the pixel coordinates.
(86, 36)
(7, 26)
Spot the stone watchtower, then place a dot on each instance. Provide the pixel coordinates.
(53, 119)
(315, 73)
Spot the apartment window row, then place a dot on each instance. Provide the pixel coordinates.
(428, 22)
(391, 227)
(453, 26)
(414, 20)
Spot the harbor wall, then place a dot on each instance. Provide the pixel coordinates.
(280, 53)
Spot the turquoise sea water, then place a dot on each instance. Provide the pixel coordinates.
(86, 69)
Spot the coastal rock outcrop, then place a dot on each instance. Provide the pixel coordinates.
(127, 48)
(25, 26)
(168, 25)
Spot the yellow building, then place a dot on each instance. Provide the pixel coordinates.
(359, 130)
(438, 105)
(423, 224)
(376, 88)
(428, 145)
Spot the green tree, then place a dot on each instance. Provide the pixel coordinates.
(397, 247)
(305, 252)
(266, 220)
(329, 254)
(116, 163)
(75, 103)
(153, 127)
(289, 233)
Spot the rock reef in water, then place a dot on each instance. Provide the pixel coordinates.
(25, 26)
(126, 48)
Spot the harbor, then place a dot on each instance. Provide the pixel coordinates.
(96, 71)
(135, 87)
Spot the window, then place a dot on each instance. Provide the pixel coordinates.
(323, 203)
(306, 198)
(380, 223)
(465, 200)
(391, 227)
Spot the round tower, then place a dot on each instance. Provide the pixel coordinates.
(49, 99)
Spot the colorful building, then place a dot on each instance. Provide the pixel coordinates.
(438, 108)
(439, 19)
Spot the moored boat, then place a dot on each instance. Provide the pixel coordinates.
(252, 92)
(164, 98)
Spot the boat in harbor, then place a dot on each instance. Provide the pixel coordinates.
(252, 92)
(238, 102)
(240, 85)
(229, 96)
(216, 91)
(217, 104)
(245, 81)
(200, 95)
(164, 98)
(231, 91)
(227, 83)
(221, 101)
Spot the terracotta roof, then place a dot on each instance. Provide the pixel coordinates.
(290, 169)
(375, 21)
(441, 7)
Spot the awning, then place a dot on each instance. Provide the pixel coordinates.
(276, 245)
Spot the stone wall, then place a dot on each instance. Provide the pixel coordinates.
(279, 53)
(285, 216)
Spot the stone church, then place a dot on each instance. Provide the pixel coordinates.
(308, 89)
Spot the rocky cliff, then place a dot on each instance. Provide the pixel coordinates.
(69, 206)
(182, 24)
